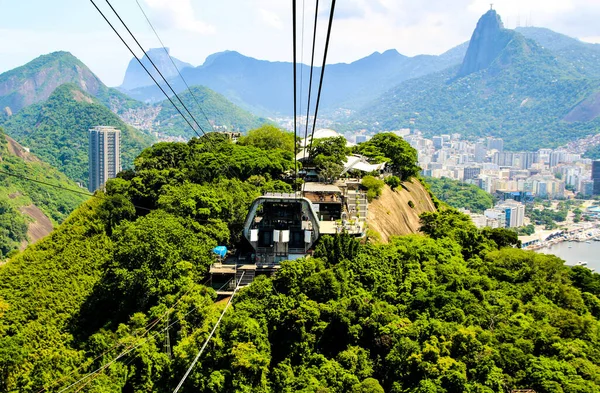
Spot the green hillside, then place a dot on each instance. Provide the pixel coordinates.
(220, 111)
(57, 131)
(18, 196)
(460, 195)
(35, 81)
(452, 310)
(582, 56)
(525, 92)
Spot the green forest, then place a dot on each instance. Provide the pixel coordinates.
(458, 194)
(57, 131)
(17, 193)
(213, 107)
(452, 309)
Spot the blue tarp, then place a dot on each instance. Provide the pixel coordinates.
(220, 251)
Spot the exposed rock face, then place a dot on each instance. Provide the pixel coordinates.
(135, 76)
(392, 215)
(36, 80)
(488, 41)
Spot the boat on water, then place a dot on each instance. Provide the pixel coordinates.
(581, 263)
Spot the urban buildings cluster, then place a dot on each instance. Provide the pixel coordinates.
(545, 173)
(506, 214)
(515, 178)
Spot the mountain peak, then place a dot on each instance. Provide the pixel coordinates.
(488, 41)
(136, 76)
(35, 81)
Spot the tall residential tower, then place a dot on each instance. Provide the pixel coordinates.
(104, 155)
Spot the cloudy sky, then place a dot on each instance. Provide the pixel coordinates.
(194, 29)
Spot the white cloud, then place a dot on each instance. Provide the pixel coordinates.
(271, 19)
(178, 15)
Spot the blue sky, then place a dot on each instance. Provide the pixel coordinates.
(194, 29)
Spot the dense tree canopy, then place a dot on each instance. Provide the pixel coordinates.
(269, 137)
(388, 147)
(461, 195)
(453, 309)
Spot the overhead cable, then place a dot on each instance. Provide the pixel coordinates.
(174, 65)
(144, 67)
(156, 68)
(189, 370)
(295, 93)
(312, 62)
(322, 75)
(61, 187)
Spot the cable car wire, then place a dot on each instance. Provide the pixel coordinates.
(174, 65)
(312, 62)
(322, 75)
(144, 67)
(155, 67)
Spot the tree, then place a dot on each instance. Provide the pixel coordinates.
(269, 137)
(373, 186)
(387, 147)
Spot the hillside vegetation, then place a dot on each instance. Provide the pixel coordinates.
(452, 310)
(460, 195)
(57, 131)
(508, 86)
(525, 91)
(219, 111)
(35, 81)
(20, 198)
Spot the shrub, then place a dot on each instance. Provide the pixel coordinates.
(393, 182)
(411, 204)
(373, 186)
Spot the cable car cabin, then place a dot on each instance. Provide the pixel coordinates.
(281, 227)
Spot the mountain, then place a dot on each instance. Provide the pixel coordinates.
(35, 81)
(28, 210)
(524, 91)
(136, 76)
(489, 39)
(57, 130)
(265, 87)
(219, 111)
(582, 56)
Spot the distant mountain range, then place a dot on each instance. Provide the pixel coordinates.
(507, 86)
(508, 83)
(265, 87)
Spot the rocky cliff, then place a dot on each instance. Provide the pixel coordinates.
(488, 41)
(392, 214)
(135, 76)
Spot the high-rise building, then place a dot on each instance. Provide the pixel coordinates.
(495, 144)
(104, 155)
(596, 176)
(512, 212)
(503, 158)
(480, 152)
(471, 173)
